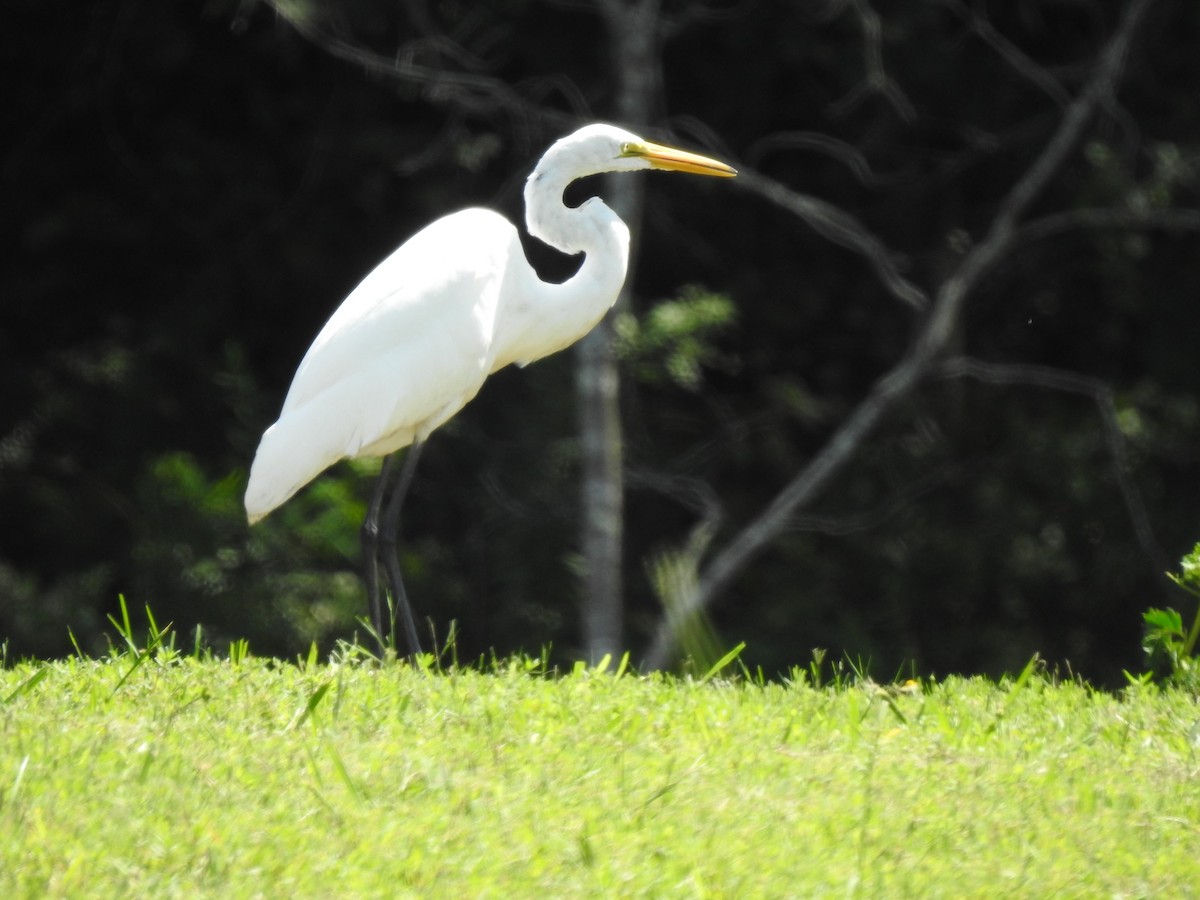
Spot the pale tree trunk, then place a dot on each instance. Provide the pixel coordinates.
(633, 41)
(598, 396)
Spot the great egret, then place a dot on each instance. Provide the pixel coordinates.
(414, 342)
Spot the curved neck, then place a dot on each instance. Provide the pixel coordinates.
(544, 318)
(550, 220)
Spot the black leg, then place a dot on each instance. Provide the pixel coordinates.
(389, 533)
(370, 542)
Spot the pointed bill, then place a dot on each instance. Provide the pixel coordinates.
(675, 160)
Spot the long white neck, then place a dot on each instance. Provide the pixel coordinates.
(543, 318)
(583, 229)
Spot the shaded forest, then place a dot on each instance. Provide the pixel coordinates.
(919, 387)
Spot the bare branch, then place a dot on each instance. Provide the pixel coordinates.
(471, 91)
(775, 519)
(837, 150)
(840, 227)
(704, 14)
(1011, 54)
(1170, 220)
(870, 519)
(1000, 238)
(1102, 395)
(693, 494)
(937, 334)
(877, 80)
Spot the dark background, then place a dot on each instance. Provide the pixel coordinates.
(191, 187)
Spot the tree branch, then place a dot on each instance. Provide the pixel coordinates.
(877, 81)
(1102, 395)
(1011, 54)
(839, 226)
(837, 150)
(932, 341)
(470, 91)
(1170, 220)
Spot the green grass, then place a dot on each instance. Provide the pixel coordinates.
(164, 775)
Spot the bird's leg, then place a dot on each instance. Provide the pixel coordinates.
(370, 542)
(389, 533)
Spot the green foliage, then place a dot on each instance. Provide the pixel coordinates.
(1170, 648)
(675, 340)
(199, 558)
(1188, 576)
(188, 775)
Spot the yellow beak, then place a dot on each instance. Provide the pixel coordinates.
(674, 160)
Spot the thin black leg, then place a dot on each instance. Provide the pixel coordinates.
(389, 534)
(370, 542)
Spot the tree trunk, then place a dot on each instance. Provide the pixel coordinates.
(599, 402)
(633, 41)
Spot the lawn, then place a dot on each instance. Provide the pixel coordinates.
(171, 775)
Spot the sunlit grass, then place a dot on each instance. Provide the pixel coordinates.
(159, 773)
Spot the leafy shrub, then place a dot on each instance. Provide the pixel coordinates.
(1170, 648)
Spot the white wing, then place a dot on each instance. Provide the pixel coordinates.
(404, 352)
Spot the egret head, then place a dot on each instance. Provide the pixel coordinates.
(606, 148)
(589, 151)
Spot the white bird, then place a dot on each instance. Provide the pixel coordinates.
(414, 342)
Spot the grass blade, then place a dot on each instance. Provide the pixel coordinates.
(715, 668)
(314, 700)
(26, 685)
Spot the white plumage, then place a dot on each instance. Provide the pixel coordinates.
(414, 342)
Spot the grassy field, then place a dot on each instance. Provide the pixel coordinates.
(184, 776)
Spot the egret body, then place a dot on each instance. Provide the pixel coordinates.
(414, 342)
